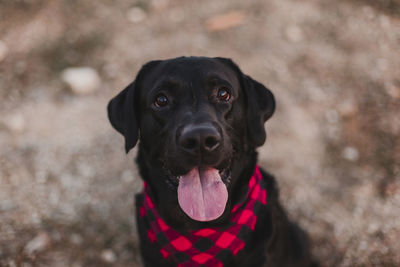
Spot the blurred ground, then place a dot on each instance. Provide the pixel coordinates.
(66, 187)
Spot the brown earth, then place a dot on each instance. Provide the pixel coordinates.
(66, 186)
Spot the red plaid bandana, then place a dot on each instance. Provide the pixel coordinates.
(213, 246)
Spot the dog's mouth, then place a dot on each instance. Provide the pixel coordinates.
(202, 193)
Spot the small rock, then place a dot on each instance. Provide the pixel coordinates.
(20, 67)
(3, 51)
(294, 33)
(177, 15)
(382, 64)
(81, 80)
(372, 228)
(76, 239)
(332, 116)
(39, 243)
(15, 123)
(127, 176)
(368, 12)
(392, 188)
(108, 255)
(225, 21)
(35, 218)
(350, 153)
(347, 109)
(384, 21)
(363, 245)
(54, 197)
(111, 70)
(136, 14)
(56, 236)
(393, 91)
(86, 198)
(7, 205)
(159, 4)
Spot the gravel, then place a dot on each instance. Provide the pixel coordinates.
(66, 186)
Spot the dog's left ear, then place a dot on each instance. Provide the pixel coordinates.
(122, 116)
(260, 104)
(260, 107)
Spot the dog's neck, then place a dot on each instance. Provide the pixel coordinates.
(165, 195)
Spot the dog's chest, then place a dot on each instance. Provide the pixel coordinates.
(212, 246)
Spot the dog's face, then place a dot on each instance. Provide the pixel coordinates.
(196, 118)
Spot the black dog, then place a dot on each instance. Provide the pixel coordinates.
(199, 121)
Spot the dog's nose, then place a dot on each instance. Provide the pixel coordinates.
(199, 137)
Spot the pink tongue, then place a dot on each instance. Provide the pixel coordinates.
(202, 195)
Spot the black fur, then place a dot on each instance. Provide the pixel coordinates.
(191, 86)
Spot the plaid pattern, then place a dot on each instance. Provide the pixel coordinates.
(214, 246)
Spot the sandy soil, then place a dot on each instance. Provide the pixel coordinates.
(66, 186)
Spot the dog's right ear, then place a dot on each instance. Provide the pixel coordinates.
(121, 114)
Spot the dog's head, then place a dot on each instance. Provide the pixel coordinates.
(195, 117)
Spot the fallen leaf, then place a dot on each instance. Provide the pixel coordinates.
(225, 21)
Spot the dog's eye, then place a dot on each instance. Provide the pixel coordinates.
(161, 101)
(223, 94)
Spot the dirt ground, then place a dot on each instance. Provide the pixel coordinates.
(66, 186)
